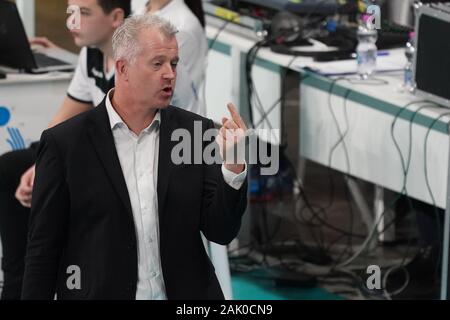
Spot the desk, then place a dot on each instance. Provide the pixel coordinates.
(373, 157)
(371, 110)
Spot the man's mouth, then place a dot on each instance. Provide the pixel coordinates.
(168, 90)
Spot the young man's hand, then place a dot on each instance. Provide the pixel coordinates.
(25, 188)
(43, 42)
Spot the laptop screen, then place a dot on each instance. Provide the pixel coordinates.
(15, 51)
(433, 56)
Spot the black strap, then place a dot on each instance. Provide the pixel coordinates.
(95, 70)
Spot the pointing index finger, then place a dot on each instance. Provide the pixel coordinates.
(236, 117)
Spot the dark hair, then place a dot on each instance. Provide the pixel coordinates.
(110, 5)
(197, 8)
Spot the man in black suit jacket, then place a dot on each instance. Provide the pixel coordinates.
(113, 217)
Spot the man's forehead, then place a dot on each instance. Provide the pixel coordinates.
(82, 3)
(156, 40)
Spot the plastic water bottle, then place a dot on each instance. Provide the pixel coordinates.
(366, 50)
(408, 81)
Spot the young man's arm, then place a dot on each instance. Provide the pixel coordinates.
(68, 109)
(78, 100)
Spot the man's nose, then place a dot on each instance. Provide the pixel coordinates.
(169, 72)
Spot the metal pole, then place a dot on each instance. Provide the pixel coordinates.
(384, 215)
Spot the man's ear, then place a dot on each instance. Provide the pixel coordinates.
(122, 69)
(118, 17)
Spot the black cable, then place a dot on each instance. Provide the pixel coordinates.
(436, 212)
(342, 136)
(329, 226)
(405, 163)
(282, 95)
(213, 41)
(248, 69)
(303, 193)
(252, 93)
(250, 58)
(341, 139)
(405, 168)
(351, 213)
(402, 159)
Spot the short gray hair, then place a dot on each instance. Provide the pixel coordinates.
(125, 39)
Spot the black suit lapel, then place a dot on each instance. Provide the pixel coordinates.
(165, 163)
(100, 133)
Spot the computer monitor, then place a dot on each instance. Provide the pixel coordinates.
(13, 39)
(15, 50)
(432, 59)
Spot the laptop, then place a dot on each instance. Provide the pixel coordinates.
(15, 50)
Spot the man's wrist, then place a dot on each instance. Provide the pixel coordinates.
(235, 168)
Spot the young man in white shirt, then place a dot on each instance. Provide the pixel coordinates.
(92, 80)
(193, 48)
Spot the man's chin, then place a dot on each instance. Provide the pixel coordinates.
(82, 42)
(166, 102)
(164, 105)
(79, 42)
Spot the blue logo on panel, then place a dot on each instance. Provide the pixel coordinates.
(5, 115)
(15, 139)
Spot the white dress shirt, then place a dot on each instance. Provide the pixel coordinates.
(138, 156)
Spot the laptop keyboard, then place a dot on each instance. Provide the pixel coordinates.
(44, 61)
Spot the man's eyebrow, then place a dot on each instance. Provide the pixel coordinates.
(85, 9)
(165, 57)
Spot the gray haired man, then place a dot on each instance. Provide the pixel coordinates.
(112, 216)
